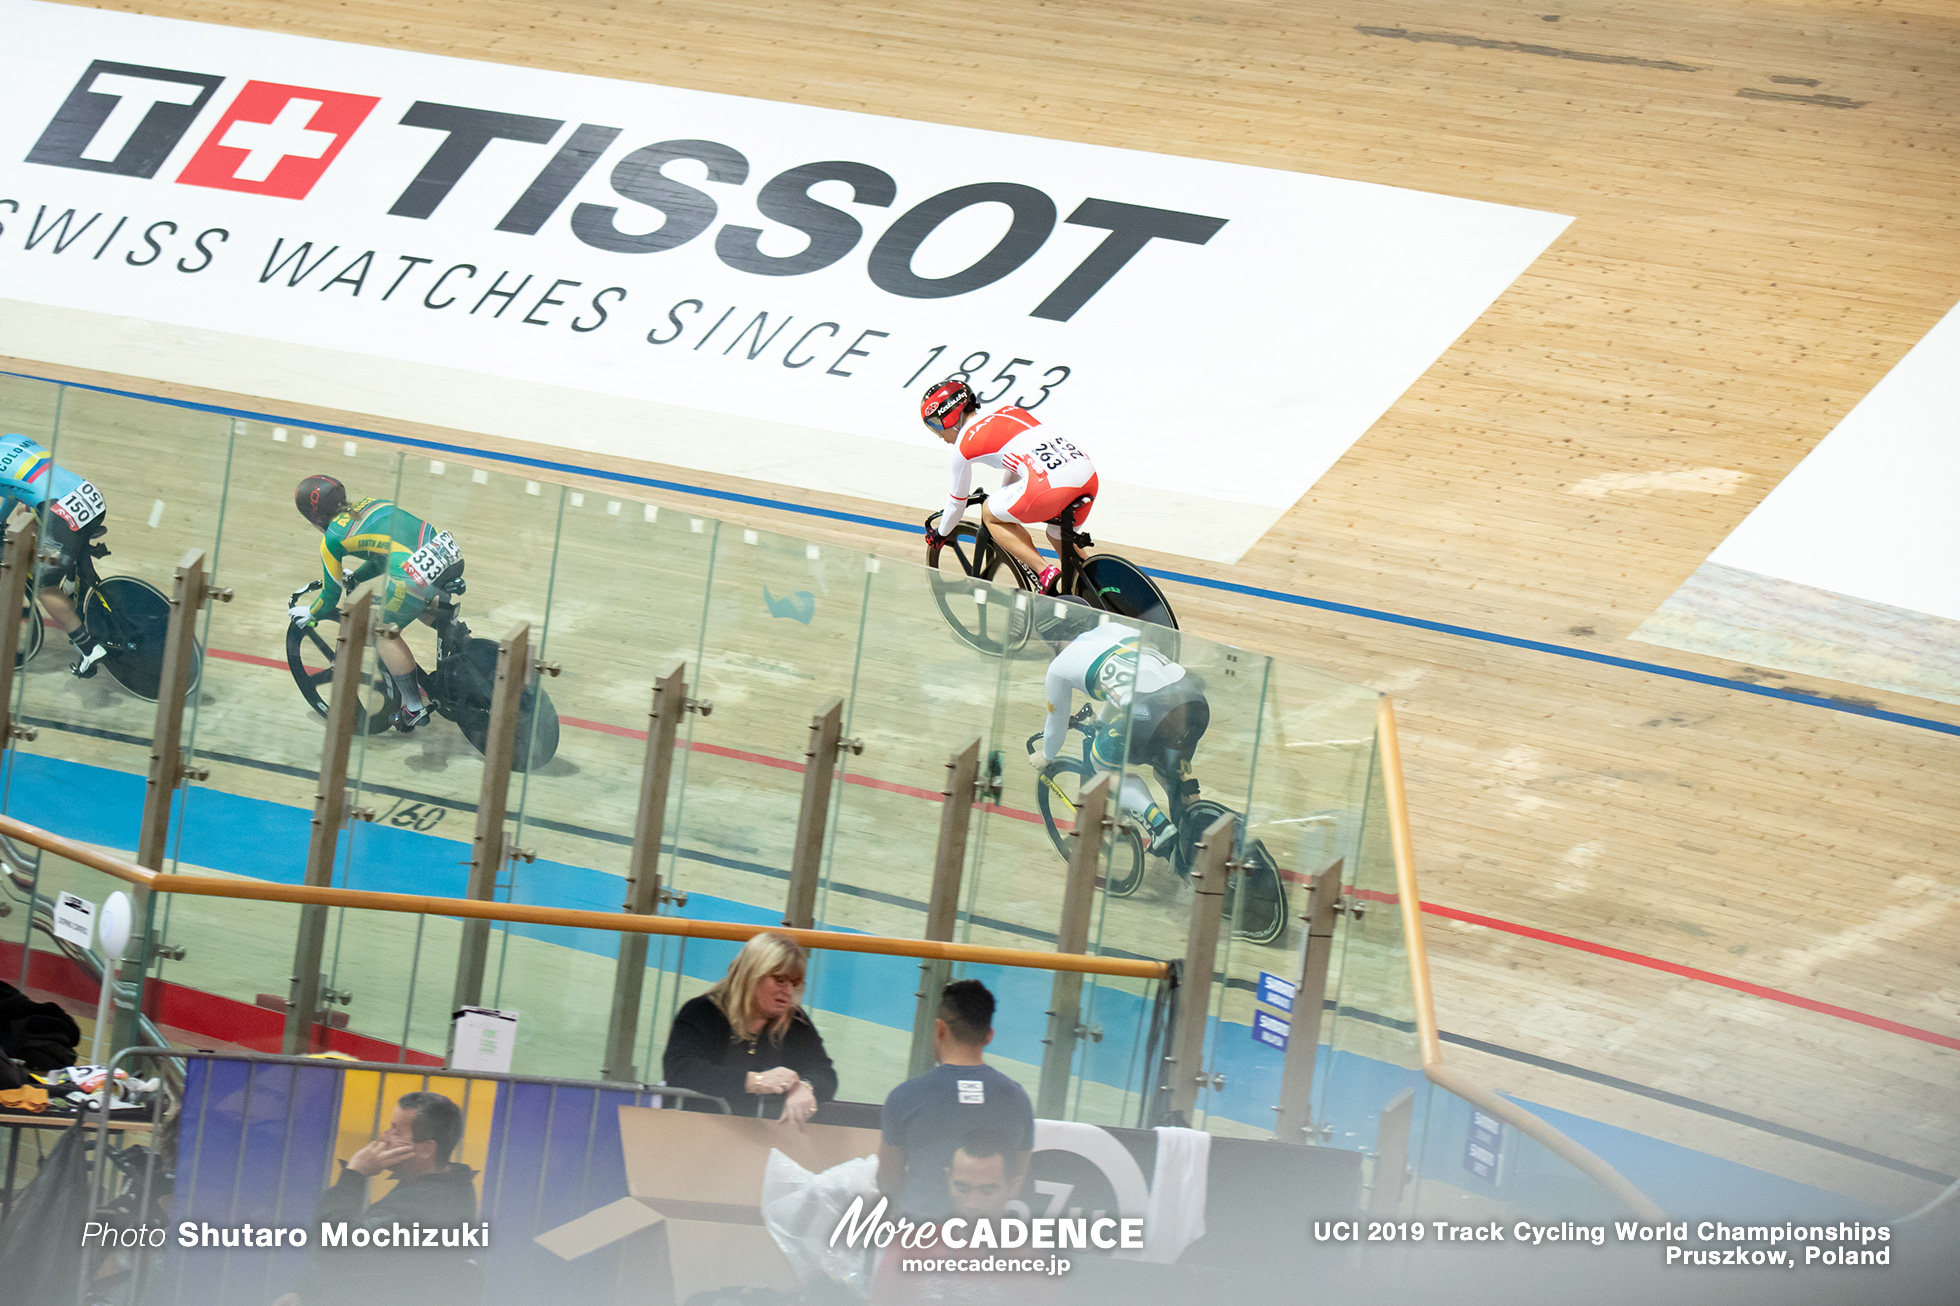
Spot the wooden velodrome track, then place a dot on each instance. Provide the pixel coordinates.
(1764, 195)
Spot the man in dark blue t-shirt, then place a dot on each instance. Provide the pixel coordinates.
(925, 1118)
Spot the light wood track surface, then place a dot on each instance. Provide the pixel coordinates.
(1757, 241)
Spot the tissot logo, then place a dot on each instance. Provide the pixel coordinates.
(273, 140)
(276, 140)
(712, 272)
(123, 118)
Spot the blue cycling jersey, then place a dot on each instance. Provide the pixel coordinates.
(28, 474)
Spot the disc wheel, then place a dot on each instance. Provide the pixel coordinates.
(33, 630)
(1118, 585)
(130, 618)
(1056, 793)
(463, 685)
(976, 611)
(309, 656)
(1264, 918)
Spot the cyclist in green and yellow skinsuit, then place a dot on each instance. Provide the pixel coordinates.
(373, 539)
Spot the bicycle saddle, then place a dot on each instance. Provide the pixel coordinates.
(450, 579)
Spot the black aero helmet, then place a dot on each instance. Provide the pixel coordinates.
(947, 404)
(320, 499)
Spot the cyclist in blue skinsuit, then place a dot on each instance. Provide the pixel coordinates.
(75, 516)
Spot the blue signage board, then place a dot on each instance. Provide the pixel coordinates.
(1270, 1030)
(1276, 992)
(1482, 1146)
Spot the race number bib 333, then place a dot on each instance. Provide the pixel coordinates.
(428, 562)
(79, 506)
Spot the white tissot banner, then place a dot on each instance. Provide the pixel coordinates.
(724, 284)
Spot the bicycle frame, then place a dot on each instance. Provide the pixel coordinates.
(1068, 550)
(1175, 804)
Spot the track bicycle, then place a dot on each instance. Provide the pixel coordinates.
(1263, 917)
(1103, 581)
(458, 687)
(127, 616)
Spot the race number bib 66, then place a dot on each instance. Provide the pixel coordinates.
(432, 559)
(79, 506)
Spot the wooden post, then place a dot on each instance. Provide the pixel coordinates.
(806, 855)
(1184, 1067)
(16, 569)
(490, 849)
(329, 813)
(643, 876)
(942, 912)
(1065, 998)
(1309, 998)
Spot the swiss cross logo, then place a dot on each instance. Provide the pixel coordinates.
(276, 140)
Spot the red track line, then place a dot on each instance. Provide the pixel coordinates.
(1675, 968)
(763, 759)
(252, 659)
(1449, 913)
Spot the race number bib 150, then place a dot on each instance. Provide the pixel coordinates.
(432, 559)
(79, 506)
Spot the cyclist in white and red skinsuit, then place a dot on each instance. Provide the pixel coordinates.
(1044, 473)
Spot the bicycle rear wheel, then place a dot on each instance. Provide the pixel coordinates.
(33, 631)
(1055, 794)
(976, 612)
(309, 656)
(130, 619)
(463, 685)
(1118, 585)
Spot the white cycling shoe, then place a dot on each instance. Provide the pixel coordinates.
(87, 660)
(1164, 840)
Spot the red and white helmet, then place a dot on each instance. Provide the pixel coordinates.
(947, 405)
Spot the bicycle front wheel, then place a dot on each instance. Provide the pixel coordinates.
(1056, 793)
(310, 657)
(130, 618)
(981, 615)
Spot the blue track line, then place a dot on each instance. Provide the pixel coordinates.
(1185, 578)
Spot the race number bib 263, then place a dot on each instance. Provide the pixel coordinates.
(79, 506)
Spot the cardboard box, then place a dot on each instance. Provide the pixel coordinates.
(692, 1220)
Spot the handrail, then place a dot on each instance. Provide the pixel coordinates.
(212, 886)
(1427, 1039)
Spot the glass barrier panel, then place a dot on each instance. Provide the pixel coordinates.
(780, 644)
(1373, 1051)
(920, 696)
(628, 590)
(32, 409)
(259, 721)
(1309, 787)
(423, 784)
(84, 776)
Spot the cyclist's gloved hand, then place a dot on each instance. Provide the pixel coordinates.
(1037, 759)
(301, 613)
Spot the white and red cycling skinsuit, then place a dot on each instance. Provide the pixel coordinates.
(1044, 473)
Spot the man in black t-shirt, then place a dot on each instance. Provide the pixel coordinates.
(925, 1118)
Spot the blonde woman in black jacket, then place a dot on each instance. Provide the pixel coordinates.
(748, 1041)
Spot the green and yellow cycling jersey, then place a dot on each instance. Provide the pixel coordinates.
(377, 540)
